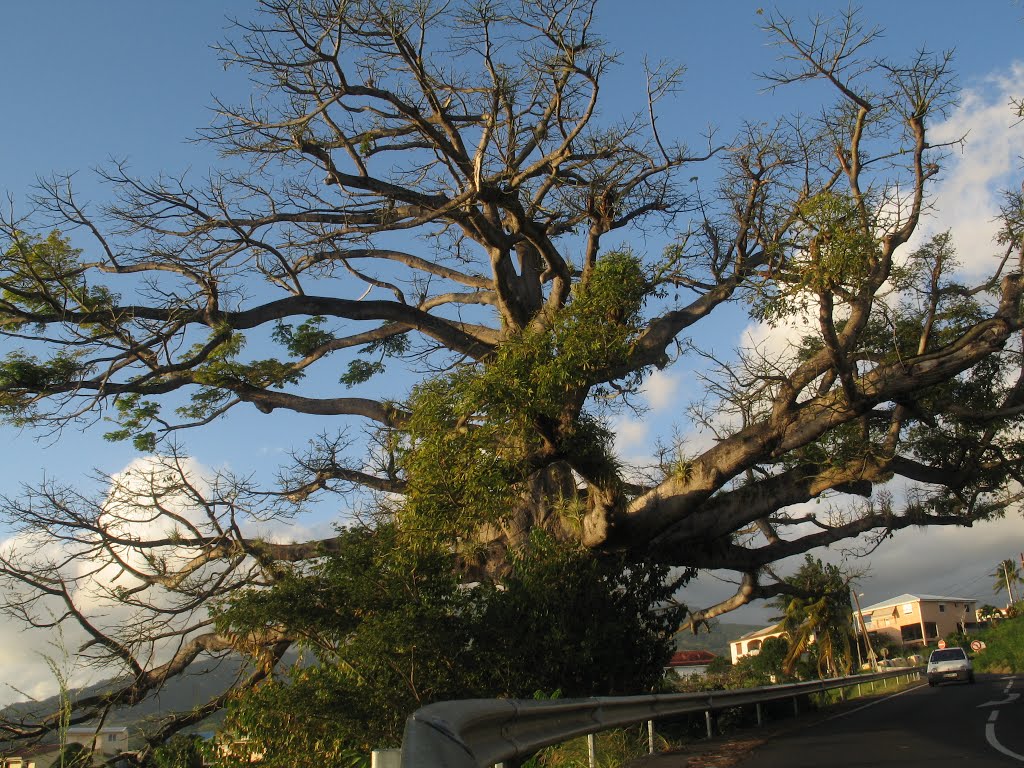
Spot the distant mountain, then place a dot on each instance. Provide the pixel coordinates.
(716, 640)
(204, 680)
(208, 678)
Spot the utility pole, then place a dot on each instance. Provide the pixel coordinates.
(856, 639)
(1006, 576)
(867, 640)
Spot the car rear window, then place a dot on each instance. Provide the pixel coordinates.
(949, 654)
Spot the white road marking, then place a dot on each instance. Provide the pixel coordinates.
(871, 704)
(1008, 700)
(990, 727)
(990, 735)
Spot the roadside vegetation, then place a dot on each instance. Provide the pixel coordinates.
(1004, 645)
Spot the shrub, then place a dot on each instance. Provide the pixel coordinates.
(1004, 647)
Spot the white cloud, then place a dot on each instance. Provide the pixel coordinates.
(630, 434)
(662, 391)
(146, 500)
(967, 197)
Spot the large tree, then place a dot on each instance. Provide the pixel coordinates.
(430, 189)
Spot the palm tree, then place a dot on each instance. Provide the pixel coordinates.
(821, 614)
(1005, 576)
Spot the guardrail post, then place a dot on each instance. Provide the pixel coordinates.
(592, 749)
(385, 758)
(760, 717)
(796, 707)
(707, 720)
(650, 737)
(858, 689)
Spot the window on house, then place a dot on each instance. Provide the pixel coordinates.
(910, 633)
(908, 608)
(942, 608)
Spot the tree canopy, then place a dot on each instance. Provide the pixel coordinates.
(438, 192)
(819, 614)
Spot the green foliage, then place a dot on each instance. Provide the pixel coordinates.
(987, 612)
(43, 280)
(841, 249)
(388, 629)
(1005, 577)
(895, 332)
(1004, 647)
(537, 641)
(825, 615)
(74, 755)
(177, 752)
(614, 748)
(769, 664)
(360, 371)
(134, 415)
(303, 339)
(45, 277)
(472, 432)
(308, 337)
(22, 374)
(836, 252)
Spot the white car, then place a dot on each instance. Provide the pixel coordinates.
(948, 664)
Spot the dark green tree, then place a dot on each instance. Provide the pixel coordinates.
(439, 190)
(769, 664)
(386, 630)
(818, 613)
(178, 752)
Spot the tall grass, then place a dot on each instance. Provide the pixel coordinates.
(1004, 647)
(614, 749)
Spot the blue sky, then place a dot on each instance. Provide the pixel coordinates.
(87, 82)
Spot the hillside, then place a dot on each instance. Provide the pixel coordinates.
(203, 680)
(716, 640)
(213, 675)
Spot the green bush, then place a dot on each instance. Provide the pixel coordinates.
(387, 629)
(1004, 647)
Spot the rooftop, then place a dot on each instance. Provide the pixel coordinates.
(908, 598)
(774, 629)
(691, 658)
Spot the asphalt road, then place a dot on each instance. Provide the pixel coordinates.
(957, 724)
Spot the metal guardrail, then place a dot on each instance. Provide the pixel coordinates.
(477, 733)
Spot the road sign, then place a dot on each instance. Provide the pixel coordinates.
(942, 644)
(976, 645)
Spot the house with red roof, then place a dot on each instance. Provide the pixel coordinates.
(686, 663)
